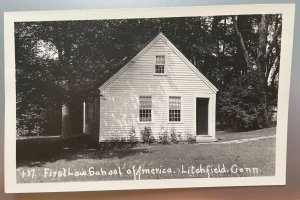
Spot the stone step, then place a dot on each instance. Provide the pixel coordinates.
(205, 139)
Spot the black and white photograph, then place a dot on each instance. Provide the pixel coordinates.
(169, 97)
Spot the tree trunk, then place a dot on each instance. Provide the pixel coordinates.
(262, 62)
(222, 62)
(90, 121)
(235, 124)
(66, 122)
(262, 44)
(245, 52)
(221, 122)
(275, 73)
(224, 40)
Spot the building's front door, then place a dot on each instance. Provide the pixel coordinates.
(202, 116)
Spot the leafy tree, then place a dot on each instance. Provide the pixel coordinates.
(267, 29)
(59, 64)
(242, 104)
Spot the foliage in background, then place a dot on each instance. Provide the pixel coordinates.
(64, 62)
(244, 105)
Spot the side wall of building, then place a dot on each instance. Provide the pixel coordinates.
(119, 102)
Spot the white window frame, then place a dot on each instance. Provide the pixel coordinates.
(139, 104)
(165, 65)
(180, 121)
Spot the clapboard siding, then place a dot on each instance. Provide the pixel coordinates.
(119, 104)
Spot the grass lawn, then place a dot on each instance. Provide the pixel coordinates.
(231, 135)
(87, 162)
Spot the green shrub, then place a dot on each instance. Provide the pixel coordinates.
(164, 138)
(242, 103)
(122, 140)
(180, 138)
(119, 142)
(132, 135)
(147, 136)
(173, 136)
(115, 138)
(133, 140)
(190, 138)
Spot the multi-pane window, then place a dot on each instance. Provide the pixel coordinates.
(160, 65)
(145, 108)
(174, 109)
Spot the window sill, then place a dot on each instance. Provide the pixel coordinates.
(159, 74)
(146, 122)
(175, 122)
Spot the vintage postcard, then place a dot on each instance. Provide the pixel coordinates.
(147, 98)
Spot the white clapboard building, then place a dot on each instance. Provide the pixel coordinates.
(158, 88)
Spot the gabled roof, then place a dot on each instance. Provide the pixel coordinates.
(145, 49)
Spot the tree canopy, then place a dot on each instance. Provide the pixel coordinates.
(64, 62)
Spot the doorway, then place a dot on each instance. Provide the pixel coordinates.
(202, 116)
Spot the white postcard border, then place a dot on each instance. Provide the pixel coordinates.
(11, 186)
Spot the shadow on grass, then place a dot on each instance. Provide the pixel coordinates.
(38, 152)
